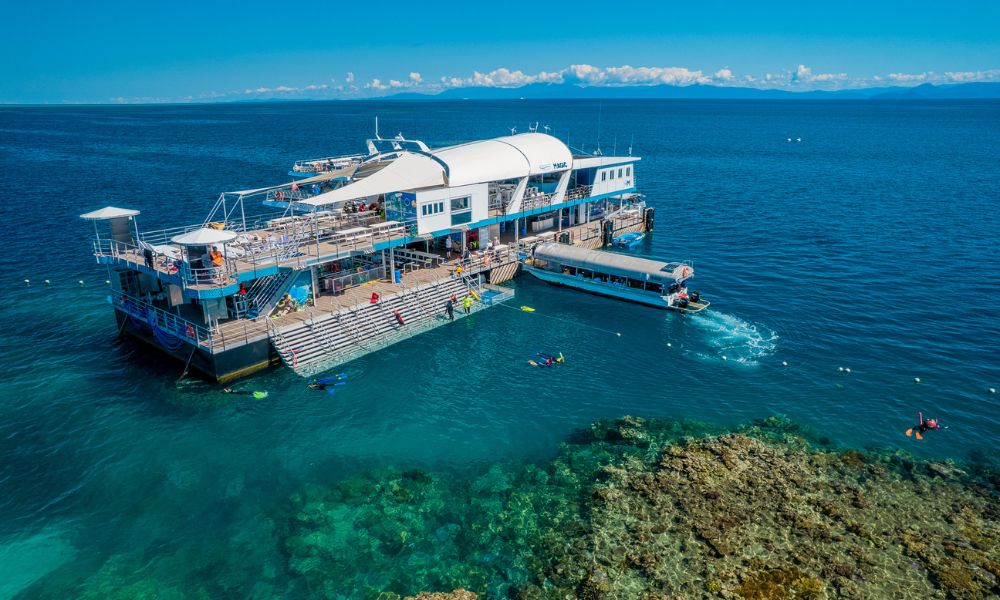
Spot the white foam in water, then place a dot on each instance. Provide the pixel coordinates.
(738, 340)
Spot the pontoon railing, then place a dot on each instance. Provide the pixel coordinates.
(318, 165)
(337, 283)
(166, 322)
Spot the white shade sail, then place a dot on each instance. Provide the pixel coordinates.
(109, 212)
(205, 236)
(408, 172)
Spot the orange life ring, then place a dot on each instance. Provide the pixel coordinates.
(189, 330)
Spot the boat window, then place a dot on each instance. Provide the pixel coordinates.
(634, 283)
(628, 171)
(611, 174)
(619, 172)
(654, 287)
(458, 204)
(604, 175)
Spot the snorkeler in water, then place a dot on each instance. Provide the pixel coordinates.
(546, 360)
(328, 383)
(924, 426)
(256, 395)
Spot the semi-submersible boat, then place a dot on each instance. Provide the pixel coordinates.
(364, 252)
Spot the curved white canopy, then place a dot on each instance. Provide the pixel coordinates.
(510, 157)
(205, 236)
(109, 212)
(487, 160)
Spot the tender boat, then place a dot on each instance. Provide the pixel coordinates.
(629, 241)
(646, 281)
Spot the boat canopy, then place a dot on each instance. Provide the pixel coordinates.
(611, 263)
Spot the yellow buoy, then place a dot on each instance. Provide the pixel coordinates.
(527, 309)
(474, 294)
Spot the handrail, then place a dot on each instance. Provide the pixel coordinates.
(179, 327)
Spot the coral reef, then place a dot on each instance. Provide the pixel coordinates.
(629, 508)
(661, 509)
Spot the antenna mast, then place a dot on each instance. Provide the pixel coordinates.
(376, 128)
(600, 112)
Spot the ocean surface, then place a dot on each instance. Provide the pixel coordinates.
(869, 245)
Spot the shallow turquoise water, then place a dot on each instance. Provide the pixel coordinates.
(871, 245)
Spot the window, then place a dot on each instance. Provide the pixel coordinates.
(461, 218)
(619, 172)
(612, 174)
(432, 208)
(628, 171)
(604, 175)
(458, 204)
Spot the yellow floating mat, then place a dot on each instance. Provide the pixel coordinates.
(527, 309)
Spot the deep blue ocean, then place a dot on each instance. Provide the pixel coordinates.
(871, 244)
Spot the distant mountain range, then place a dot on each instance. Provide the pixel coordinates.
(538, 91)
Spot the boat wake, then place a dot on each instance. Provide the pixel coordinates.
(734, 338)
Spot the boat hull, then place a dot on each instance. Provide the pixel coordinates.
(599, 288)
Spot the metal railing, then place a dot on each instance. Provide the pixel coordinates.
(338, 283)
(167, 322)
(318, 165)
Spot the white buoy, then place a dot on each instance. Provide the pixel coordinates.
(798, 139)
(784, 363)
(847, 370)
(80, 282)
(724, 357)
(669, 345)
(789, 139)
(993, 390)
(619, 334)
(107, 282)
(840, 369)
(46, 282)
(27, 281)
(916, 380)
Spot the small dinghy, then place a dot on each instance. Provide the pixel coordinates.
(628, 240)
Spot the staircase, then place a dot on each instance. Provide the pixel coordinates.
(264, 294)
(335, 338)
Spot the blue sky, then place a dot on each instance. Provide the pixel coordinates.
(135, 51)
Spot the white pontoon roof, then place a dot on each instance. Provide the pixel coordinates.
(611, 263)
(509, 157)
(109, 212)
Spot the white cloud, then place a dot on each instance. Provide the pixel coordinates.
(905, 77)
(349, 78)
(377, 85)
(415, 78)
(723, 74)
(968, 76)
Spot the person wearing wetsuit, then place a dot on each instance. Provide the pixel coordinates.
(924, 426)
